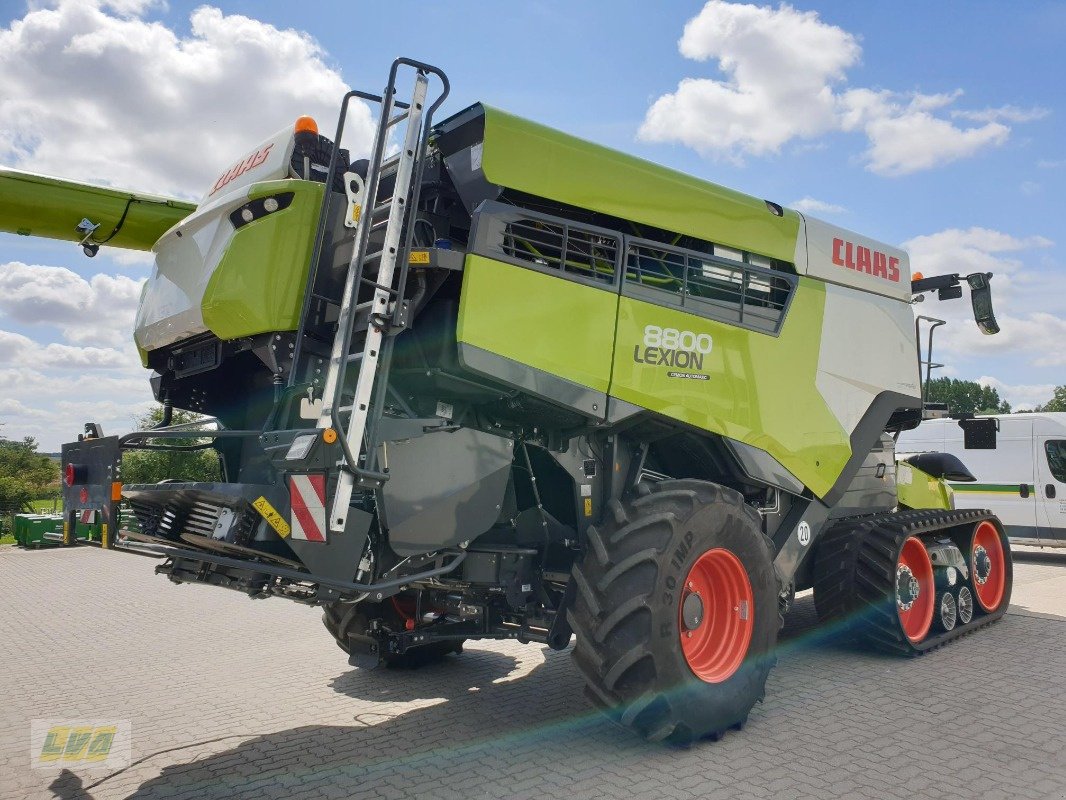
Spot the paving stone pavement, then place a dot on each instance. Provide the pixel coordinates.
(233, 698)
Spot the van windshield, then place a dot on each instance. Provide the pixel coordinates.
(1056, 458)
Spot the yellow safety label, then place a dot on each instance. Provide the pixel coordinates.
(588, 506)
(418, 257)
(103, 535)
(273, 518)
(357, 211)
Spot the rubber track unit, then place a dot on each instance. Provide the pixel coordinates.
(636, 678)
(855, 574)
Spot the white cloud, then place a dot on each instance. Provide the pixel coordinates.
(809, 205)
(784, 79)
(98, 311)
(21, 350)
(780, 65)
(117, 98)
(907, 136)
(1020, 396)
(1003, 114)
(970, 250)
(52, 405)
(1050, 164)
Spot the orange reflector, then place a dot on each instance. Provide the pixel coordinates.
(329, 436)
(917, 276)
(306, 124)
(116, 492)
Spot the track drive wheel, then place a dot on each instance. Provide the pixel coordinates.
(878, 582)
(676, 611)
(988, 561)
(351, 621)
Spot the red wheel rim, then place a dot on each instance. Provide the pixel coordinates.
(915, 596)
(715, 616)
(989, 578)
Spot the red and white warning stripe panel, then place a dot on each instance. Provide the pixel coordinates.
(308, 500)
(88, 516)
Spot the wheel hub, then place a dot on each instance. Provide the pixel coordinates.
(982, 565)
(907, 587)
(692, 611)
(714, 615)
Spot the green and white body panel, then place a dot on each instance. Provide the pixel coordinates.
(802, 394)
(212, 276)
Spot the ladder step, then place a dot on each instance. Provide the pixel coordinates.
(389, 163)
(399, 118)
(376, 285)
(383, 206)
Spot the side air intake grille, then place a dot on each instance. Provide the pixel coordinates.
(733, 290)
(549, 244)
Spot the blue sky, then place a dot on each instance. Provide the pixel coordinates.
(936, 125)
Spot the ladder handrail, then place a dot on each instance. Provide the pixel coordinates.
(331, 176)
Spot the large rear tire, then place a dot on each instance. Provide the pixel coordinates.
(676, 611)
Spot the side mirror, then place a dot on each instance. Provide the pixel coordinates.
(981, 297)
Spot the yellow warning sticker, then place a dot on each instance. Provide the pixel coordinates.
(103, 536)
(418, 257)
(273, 518)
(588, 506)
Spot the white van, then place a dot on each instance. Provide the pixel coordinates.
(1019, 461)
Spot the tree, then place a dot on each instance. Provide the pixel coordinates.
(1056, 403)
(966, 397)
(25, 474)
(152, 466)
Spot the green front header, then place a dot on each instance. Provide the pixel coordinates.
(36, 205)
(532, 158)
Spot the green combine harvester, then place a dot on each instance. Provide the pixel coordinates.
(505, 384)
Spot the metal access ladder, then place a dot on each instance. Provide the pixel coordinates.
(386, 310)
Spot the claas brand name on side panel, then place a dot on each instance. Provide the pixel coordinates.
(863, 259)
